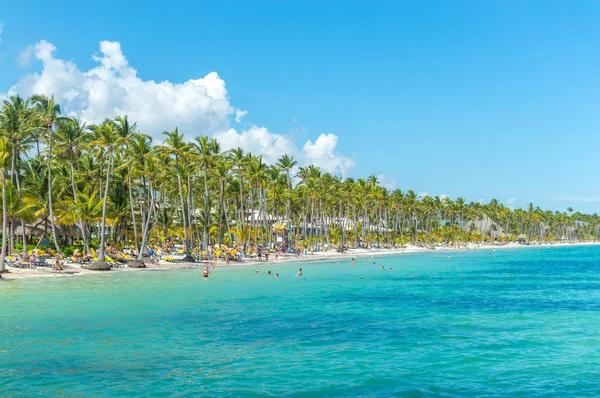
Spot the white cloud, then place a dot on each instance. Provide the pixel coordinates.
(113, 88)
(511, 201)
(422, 194)
(444, 196)
(25, 56)
(239, 114)
(322, 153)
(260, 141)
(196, 106)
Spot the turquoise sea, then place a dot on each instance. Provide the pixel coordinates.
(330, 333)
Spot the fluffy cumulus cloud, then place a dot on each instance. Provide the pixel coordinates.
(322, 153)
(112, 88)
(197, 106)
(258, 140)
(271, 146)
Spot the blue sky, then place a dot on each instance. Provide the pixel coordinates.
(480, 99)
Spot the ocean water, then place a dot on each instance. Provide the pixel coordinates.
(328, 334)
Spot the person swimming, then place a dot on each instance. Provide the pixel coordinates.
(205, 273)
(276, 276)
(382, 268)
(269, 273)
(353, 263)
(299, 272)
(256, 271)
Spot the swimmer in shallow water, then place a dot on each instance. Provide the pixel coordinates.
(269, 273)
(353, 263)
(299, 272)
(276, 276)
(382, 268)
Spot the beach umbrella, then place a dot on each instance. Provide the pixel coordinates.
(280, 228)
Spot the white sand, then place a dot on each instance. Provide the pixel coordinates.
(77, 270)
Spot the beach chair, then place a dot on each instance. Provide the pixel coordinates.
(41, 261)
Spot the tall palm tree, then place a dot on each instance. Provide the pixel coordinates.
(48, 113)
(176, 145)
(4, 160)
(107, 141)
(208, 152)
(286, 163)
(71, 140)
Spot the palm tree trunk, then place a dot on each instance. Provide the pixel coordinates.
(81, 226)
(50, 204)
(206, 211)
(133, 220)
(4, 217)
(185, 232)
(101, 251)
(146, 226)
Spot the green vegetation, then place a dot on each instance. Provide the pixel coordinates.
(110, 183)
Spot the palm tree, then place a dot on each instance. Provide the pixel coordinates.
(208, 151)
(175, 144)
(239, 160)
(126, 130)
(287, 163)
(71, 141)
(16, 123)
(107, 141)
(47, 112)
(4, 159)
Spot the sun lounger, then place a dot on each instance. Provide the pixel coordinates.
(42, 261)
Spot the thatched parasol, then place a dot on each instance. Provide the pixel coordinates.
(137, 264)
(280, 228)
(98, 266)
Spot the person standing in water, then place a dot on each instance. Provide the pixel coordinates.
(299, 272)
(353, 263)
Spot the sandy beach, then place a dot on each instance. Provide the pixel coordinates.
(71, 269)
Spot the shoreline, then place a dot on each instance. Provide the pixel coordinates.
(72, 270)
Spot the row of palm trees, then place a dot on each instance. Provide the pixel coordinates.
(109, 182)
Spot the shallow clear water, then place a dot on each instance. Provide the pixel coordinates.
(331, 334)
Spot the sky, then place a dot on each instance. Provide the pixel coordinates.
(479, 99)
